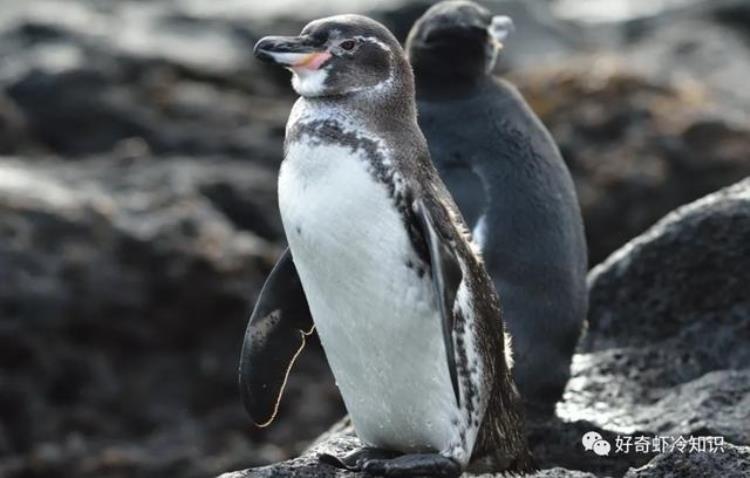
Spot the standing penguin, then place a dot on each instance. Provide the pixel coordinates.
(379, 262)
(512, 186)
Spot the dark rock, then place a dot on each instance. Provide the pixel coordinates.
(685, 277)
(84, 107)
(556, 444)
(696, 50)
(561, 473)
(339, 439)
(157, 77)
(14, 134)
(735, 13)
(125, 294)
(666, 351)
(717, 404)
(733, 462)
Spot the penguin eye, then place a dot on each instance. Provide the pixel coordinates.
(348, 45)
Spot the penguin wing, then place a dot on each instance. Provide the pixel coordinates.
(275, 336)
(446, 278)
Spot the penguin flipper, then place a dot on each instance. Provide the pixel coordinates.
(446, 278)
(275, 336)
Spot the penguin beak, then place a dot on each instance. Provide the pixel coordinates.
(499, 29)
(296, 53)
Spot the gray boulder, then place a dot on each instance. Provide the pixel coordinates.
(686, 277)
(668, 342)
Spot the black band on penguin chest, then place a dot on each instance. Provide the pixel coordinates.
(330, 132)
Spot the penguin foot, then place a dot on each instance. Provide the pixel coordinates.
(388, 463)
(433, 465)
(356, 460)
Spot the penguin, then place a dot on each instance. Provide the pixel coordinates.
(512, 186)
(380, 264)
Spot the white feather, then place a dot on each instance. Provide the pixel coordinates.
(509, 361)
(377, 321)
(308, 82)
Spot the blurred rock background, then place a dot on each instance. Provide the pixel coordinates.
(140, 143)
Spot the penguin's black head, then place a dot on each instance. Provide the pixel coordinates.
(456, 40)
(337, 56)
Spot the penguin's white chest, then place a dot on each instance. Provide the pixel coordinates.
(376, 315)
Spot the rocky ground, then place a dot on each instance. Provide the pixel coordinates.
(140, 143)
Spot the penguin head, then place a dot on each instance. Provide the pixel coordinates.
(338, 56)
(456, 39)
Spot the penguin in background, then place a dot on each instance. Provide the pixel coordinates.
(381, 265)
(510, 182)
